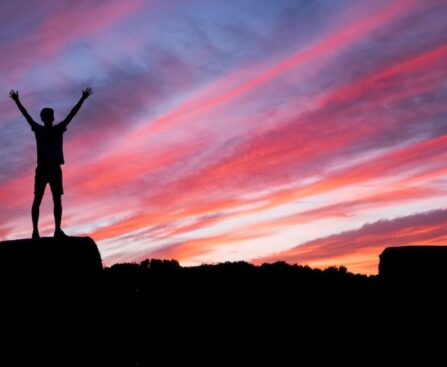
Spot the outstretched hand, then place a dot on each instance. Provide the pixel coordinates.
(87, 92)
(14, 94)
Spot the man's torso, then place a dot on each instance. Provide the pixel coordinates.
(49, 142)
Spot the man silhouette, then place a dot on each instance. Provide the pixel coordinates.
(50, 157)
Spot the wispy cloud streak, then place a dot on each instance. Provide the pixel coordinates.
(219, 135)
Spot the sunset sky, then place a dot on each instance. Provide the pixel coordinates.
(309, 131)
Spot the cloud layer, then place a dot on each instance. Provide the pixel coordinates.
(307, 131)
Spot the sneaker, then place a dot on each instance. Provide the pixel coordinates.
(35, 235)
(59, 233)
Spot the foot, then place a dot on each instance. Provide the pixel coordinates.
(35, 235)
(59, 233)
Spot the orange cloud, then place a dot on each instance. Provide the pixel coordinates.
(191, 188)
(366, 243)
(162, 216)
(191, 249)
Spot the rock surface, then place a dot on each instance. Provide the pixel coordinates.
(70, 256)
(411, 264)
(51, 292)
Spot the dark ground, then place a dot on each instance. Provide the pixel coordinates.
(235, 314)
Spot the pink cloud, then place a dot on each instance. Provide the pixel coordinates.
(264, 154)
(61, 26)
(428, 228)
(225, 145)
(335, 41)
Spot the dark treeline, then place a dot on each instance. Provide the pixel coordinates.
(158, 313)
(275, 314)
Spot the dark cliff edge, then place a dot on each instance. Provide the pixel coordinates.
(50, 291)
(70, 256)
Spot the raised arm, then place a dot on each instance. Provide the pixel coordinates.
(14, 95)
(85, 94)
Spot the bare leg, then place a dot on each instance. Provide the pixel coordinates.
(35, 211)
(57, 211)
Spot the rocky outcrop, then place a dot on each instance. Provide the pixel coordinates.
(50, 300)
(57, 257)
(414, 264)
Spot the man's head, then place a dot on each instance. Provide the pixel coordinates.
(47, 116)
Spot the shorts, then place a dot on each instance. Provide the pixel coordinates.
(48, 174)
